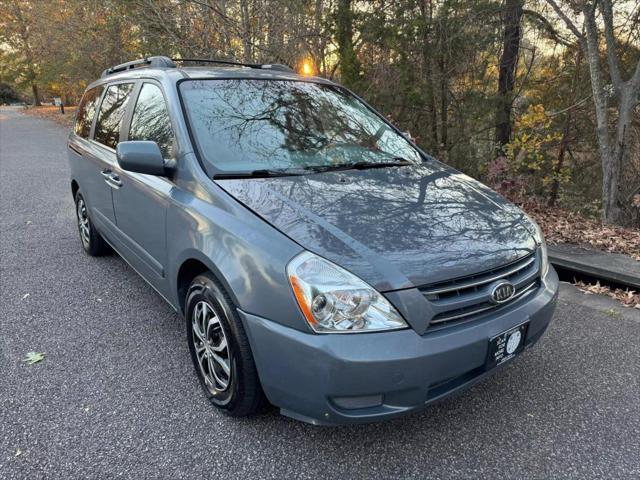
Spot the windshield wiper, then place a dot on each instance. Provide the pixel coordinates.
(269, 173)
(396, 162)
(263, 173)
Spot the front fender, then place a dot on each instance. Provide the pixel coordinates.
(247, 255)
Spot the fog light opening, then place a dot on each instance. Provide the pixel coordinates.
(358, 402)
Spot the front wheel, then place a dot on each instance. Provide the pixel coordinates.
(220, 349)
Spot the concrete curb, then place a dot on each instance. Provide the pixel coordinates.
(610, 267)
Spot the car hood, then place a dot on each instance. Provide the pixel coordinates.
(396, 227)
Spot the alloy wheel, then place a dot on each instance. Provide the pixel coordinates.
(83, 222)
(211, 347)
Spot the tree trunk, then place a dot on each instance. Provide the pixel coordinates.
(564, 142)
(246, 34)
(36, 95)
(507, 70)
(444, 106)
(443, 65)
(426, 11)
(349, 64)
(320, 42)
(613, 200)
(610, 156)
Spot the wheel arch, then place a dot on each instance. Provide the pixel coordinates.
(193, 264)
(74, 187)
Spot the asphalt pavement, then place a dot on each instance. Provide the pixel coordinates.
(116, 395)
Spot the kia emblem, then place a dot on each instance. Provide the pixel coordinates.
(502, 292)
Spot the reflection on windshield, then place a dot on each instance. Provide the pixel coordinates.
(244, 125)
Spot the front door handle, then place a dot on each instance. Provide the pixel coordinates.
(114, 181)
(111, 178)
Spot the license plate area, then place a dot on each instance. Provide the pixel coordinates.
(506, 345)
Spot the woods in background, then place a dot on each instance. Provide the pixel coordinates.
(539, 99)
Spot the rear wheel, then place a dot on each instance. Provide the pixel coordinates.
(220, 349)
(91, 240)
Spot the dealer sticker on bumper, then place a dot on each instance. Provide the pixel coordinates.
(506, 345)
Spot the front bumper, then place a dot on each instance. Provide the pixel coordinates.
(357, 378)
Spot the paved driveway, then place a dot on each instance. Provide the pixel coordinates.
(117, 395)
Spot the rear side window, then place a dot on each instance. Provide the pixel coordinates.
(86, 111)
(112, 110)
(150, 120)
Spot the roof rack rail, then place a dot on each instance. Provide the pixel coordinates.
(266, 66)
(158, 62)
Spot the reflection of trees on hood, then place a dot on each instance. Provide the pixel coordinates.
(408, 209)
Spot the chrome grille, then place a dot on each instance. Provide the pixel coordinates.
(462, 298)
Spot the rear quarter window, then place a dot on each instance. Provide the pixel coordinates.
(111, 114)
(86, 111)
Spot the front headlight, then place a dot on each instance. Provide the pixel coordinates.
(544, 261)
(336, 301)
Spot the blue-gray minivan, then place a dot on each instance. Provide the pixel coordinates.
(322, 262)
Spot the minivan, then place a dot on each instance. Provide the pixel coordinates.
(321, 261)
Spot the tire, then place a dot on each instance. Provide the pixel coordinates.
(212, 317)
(91, 241)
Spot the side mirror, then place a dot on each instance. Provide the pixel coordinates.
(141, 156)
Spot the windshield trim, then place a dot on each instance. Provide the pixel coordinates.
(209, 167)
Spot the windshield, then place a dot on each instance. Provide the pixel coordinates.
(246, 125)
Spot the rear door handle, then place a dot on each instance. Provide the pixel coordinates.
(111, 178)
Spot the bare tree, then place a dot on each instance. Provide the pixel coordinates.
(625, 92)
(513, 10)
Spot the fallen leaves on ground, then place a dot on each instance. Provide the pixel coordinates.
(628, 298)
(51, 112)
(33, 357)
(564, 226)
